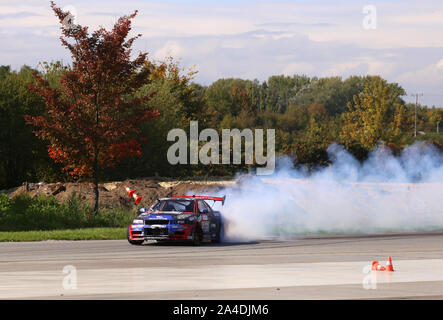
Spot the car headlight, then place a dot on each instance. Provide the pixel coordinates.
(137, 221)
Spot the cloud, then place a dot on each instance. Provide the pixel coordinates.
(15, 15)
(251, 39)
(294, 24)
(425, 79)
(170, 49)
(343, 68)
(361, 66)
(428, 75)
(298, 68)
(432, 19)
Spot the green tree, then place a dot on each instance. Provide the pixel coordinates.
(375, 114)
(436, 119)
(333, 93)
(178, 102)
(282, 90)
(22, 156)
(230, 97)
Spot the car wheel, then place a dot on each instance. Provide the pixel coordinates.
(136, 242)
(220, 234)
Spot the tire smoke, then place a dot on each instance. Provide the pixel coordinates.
(385, 193)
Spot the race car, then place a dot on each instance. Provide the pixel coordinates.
(186, 218)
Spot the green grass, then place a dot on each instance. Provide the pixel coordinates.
(24, 218)
(69, 234)
(25, 213)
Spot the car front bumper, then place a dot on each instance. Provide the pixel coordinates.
(161, 232)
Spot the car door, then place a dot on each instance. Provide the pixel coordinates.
(213, 221)
(204, 219)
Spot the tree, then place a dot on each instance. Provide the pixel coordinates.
(22, 156)
(92, 118)
(317, 111)
(281, 90)
(332, 92)
(178, 102)
(375, 115)
(436, 117)
(231, 96)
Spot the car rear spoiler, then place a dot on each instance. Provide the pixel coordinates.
(222, 199)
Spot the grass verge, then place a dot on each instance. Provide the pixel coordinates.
(70, 234)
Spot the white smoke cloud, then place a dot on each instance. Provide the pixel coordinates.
(386, 193)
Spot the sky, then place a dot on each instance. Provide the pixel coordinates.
(400, 40)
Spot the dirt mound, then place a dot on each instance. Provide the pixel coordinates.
(113, 193)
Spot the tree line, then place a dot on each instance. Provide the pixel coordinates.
(308, 114)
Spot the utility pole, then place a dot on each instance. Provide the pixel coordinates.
(416, 105)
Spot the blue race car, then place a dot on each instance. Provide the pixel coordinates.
(187, 218)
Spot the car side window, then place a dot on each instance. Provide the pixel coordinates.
(207, 206)
(200, 205)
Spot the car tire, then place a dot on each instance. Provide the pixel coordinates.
(136, 242)
(220, 234)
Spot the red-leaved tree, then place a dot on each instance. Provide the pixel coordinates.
(93, 117)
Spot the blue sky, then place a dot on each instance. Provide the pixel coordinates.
(254, 39)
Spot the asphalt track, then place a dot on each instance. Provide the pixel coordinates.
(304, 268)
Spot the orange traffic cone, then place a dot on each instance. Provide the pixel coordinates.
(377, 266)
(130, 192)
(137, 198)
(389, 266)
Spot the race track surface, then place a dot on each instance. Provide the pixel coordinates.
(305, 268)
